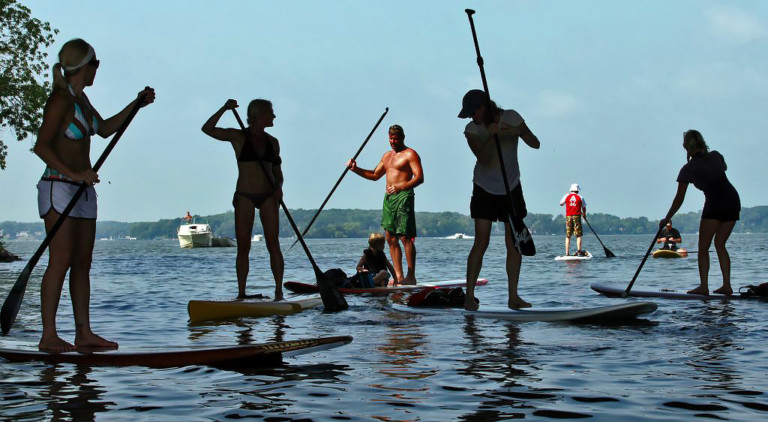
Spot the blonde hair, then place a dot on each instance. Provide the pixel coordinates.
(693, 141)
(376, 241)
(74, 54)
(257, 107)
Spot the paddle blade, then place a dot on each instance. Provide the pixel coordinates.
(522, 237)
(333, 300)
(608, 253)
(13, 301)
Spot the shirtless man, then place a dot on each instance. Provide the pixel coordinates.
(402, 166)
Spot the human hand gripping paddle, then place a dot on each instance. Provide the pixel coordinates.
(608, 253)
(344, 173)
(648, 252)
(522, 237)
(13, 301)
(333, 300)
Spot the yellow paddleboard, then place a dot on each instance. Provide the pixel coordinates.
(206, 310)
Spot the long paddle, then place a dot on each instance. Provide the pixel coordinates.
(608, 253)
(13, 301)
(522, 237)
(344, 173)
(333, 301)
(631, 283)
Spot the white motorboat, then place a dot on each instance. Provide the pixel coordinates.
(257, 238)
(193, 234)
(459, 236)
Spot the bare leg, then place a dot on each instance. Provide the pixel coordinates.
(80, 285)
(567, 245)
(514, 262)
(475, 260)
(578, 243)
(707, 230)
(396, 253)
(244, 215)
(410, 258)
(269, 215)
(722, 255)
(59, 259)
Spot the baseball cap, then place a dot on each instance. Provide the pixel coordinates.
(473, 100)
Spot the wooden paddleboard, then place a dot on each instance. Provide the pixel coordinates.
(573, 257)
(667, 253)
(306, 288)
(265, 354)
(207, 310)
(617, 290)
(602, 314)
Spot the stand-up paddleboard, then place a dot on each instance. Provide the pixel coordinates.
(574, 257)
(603, 314)
(206, 310)
(617, 290)
(668, 253)
(265, 354)
(306, 288)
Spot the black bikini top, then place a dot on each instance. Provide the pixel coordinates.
(248, 153)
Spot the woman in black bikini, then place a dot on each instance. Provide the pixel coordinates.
(257, 187)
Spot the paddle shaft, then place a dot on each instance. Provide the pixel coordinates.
(13, 301)
(488, 110)
(608, 252)
(648, 252)
(344, 173)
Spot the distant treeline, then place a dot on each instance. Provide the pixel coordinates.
(354, 223)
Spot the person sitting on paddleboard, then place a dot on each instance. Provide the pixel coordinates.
(489, 201)
(254, 189)
(669, 237)
(575, 207)
(374, 269)
(722, 206)
(63, 143)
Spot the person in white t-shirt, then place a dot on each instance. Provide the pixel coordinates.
(489, 197)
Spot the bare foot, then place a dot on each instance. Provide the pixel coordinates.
(409, 281)
(699, 291)
(725, 290)
(91, 340)
(279, 295)
(517, 303)
(55, 344)
(470, 304)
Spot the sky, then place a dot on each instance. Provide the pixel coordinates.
(608, 86)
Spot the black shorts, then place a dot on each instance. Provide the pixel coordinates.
(488, 206)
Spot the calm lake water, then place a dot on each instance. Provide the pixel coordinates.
(687, 360)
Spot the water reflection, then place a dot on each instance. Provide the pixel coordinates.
(72, 395)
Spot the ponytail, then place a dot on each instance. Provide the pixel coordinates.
(59, 81)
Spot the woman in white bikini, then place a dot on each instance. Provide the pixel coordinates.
(64, 143)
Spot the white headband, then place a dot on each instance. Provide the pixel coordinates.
(85, 61)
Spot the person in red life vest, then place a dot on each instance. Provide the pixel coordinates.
(575, 207)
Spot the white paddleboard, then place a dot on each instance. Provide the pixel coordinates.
(598, 314)
(617, 290)
(573, 257)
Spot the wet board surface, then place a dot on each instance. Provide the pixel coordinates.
(265, 354)
(306, 288)
(604, 314)
(666, 253)
(574, 257)
(617, 290)
(208, 310)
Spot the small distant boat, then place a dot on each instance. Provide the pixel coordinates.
(459, 236)
(257, 238)
(192, 234)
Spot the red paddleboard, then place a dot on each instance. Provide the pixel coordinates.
(306, 288)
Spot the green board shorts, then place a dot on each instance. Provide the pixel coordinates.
(398, 215)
